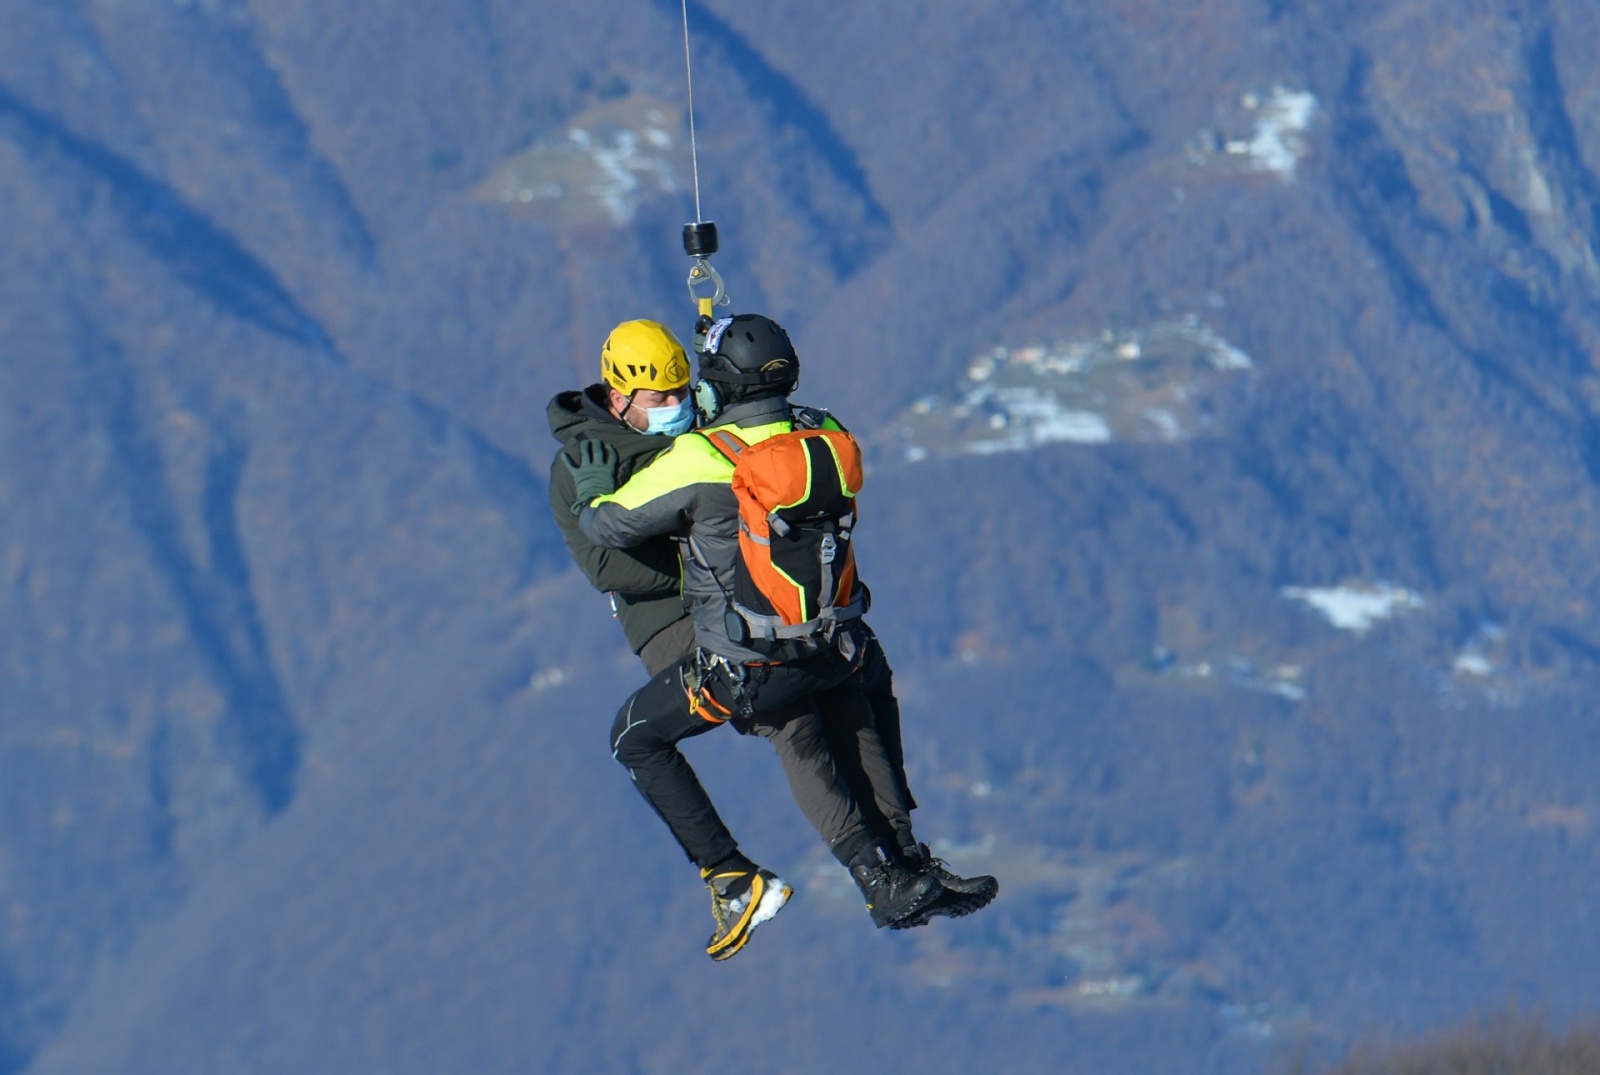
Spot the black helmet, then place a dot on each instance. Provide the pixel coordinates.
(750, 354)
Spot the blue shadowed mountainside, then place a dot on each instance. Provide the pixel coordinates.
(1228, 376)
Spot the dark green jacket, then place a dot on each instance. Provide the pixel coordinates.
(645, 581)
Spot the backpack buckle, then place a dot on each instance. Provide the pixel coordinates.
(737, 629)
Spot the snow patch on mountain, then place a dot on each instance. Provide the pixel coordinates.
(1148, 384)
(1276, 139)
(1279, 139)
(1485, 668)
(600, 167)
(1356, 607)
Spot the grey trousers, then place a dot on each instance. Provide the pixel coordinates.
(849, 734)
(837, 725)
(820, 721)
(676, 641)
(680, 703)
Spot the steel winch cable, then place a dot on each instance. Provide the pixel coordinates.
(688, 77)
(699, 237)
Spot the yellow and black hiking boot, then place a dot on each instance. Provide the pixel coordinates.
(741, 900)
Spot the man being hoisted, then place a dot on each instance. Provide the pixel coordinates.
(775, 689)
(640, 403)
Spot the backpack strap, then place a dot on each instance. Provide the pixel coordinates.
(809, 417)
(726, 442)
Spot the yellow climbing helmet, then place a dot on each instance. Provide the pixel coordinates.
(643, 354)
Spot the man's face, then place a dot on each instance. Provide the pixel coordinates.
(636, 411)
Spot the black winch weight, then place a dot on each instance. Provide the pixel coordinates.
(700, 238)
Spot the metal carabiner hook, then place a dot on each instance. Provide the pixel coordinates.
(701, 273)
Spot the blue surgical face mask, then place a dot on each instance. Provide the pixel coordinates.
(670, 420)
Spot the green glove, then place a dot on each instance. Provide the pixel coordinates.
(593, 464)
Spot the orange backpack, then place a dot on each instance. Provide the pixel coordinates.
(796, 573)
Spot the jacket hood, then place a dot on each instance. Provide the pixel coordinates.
(588, 414)
(574, 412)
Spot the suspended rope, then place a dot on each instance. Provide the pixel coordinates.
(688, 77)
(700, 237)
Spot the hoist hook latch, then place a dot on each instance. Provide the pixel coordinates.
(702, 273)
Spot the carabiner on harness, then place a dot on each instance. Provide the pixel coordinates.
(697, 679)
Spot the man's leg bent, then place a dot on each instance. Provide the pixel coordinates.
(644, 740)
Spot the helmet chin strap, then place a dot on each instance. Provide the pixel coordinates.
(622, 415)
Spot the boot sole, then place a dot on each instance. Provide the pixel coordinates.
(951, 904)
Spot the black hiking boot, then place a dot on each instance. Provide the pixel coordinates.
(960, 895)
(895, 895)
(741, 900)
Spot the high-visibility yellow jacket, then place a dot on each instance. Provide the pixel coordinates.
(687, 491)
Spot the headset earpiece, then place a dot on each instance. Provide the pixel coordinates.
(707, 400)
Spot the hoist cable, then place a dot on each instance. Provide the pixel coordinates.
(688, 75)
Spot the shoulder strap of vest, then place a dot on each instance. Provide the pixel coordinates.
(726, 442)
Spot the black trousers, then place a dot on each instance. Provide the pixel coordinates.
(820, 717)
(676, 642)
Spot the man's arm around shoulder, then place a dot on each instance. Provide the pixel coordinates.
(658, 498)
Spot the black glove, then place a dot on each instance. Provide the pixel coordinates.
(593, 464)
